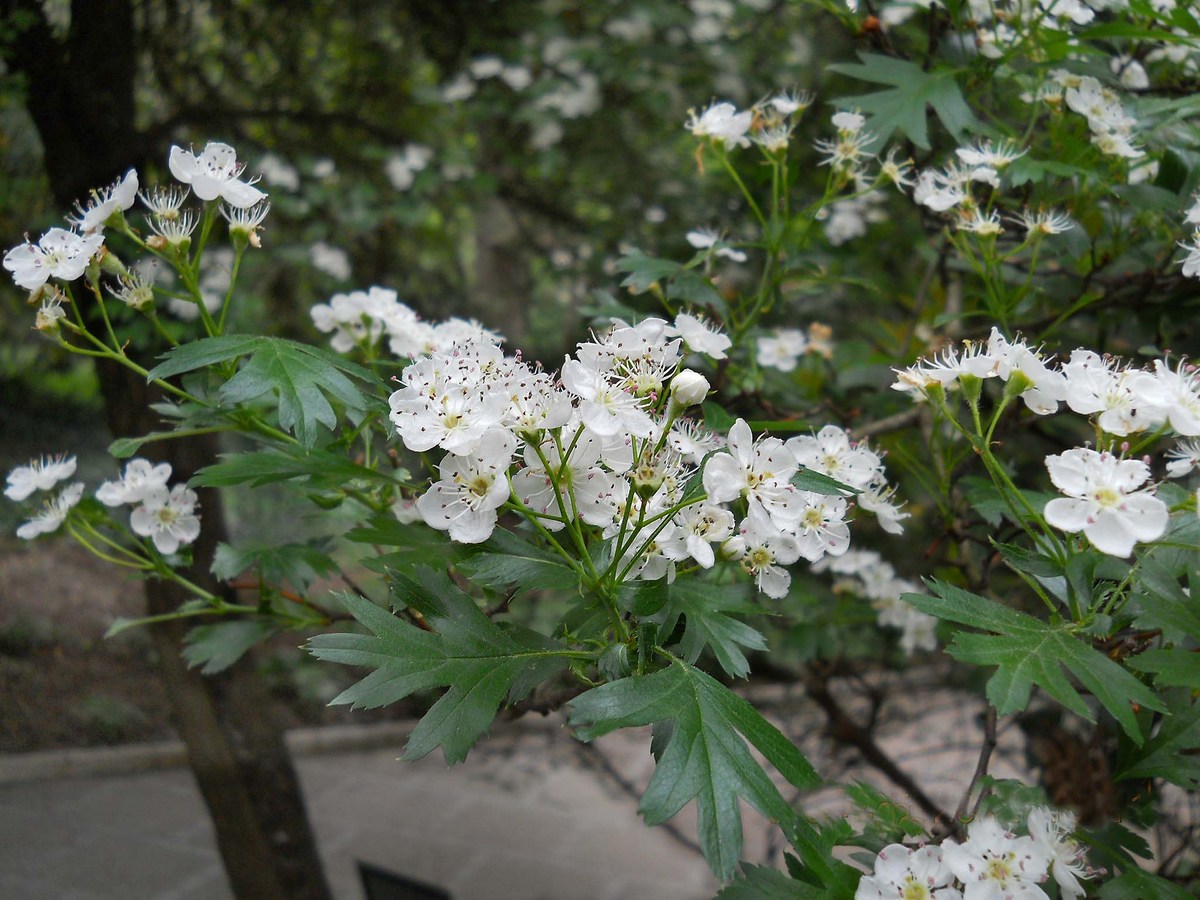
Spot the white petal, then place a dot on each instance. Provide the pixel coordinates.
(1068, 515)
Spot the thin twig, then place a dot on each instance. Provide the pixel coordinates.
(981, 769)
(846, 731)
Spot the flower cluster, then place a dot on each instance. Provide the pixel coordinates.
(1104, 496)
(869, 575)
(166, 515)
(782, 348)
(768, 124)
(606, 444)
(992, 863)
(42, 476)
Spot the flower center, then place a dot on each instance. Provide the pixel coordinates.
(1107, 498)
(913, 889)
(999, 869)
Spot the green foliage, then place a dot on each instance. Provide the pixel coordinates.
(703, 759)
(506, 560)
(314, 467)
(1170, 753)
(218, 646)
(903, 106)
(480, 661)
(888, 822)
(705, 609)
(1028, 651)
(296, 564)
(300, 374)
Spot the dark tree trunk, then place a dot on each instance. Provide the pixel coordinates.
(80, 96)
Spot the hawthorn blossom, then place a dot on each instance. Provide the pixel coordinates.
(1103, 500)
(40, 475)
(605, 408)
(1052, 829)
(1099, 385)
(464, 501)
(140, 479)
(700, 335)
(692, 441)
(1183, 458)
(763, 550)
(214, 173)
(822, 528)
(707, 239)
(781, 349)
(59, 253)
(699, 527)
(994, 863)
(831, 452)
(905, 874)
(1174, 396)
(723, 123)
(53, 513)
(117, 197)
(588, 491)
(168, 518)
(760, 471)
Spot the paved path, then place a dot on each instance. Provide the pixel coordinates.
(530, 815)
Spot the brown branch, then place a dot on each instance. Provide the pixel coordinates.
(846, 731)
(981, 769)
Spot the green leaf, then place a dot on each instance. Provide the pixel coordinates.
(411, 544)
(296, 564)
(887, 821)
(319, 468)
(302, 375)
(705, 608)
(819, 483)
(1158, 601)
(694, 288)
(1028, 651)
(1137, 884)
(903, 106)
(505, 559)
(217, 647)
(203, 353)
(123, 448)
(1171, 752)
(704, 759)
(761, 883)
(1174, 667)
(815, 842)
(717, 417)
(644, 270)
(478, 660)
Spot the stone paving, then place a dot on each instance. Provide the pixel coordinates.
(530, 815)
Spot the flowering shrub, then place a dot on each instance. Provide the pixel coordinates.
(607, 531)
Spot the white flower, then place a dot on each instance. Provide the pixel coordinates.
(831, 452)
(1045, 222)
(53, 513)
(471, 489)
(1183, 458)
(822, 527)
(763, 551)
(606, 409)
(790, 102)
(781, 349)
(59, 253)
(118, 196)
(689, 388)
(588, 492)
(877, 498)
(692, 441)
(140, 479)
(1120, 396)
(723, 123)
(700, 527)
(904, 874)
(995, 864)
(40, 475)
(214, 173)
(1052, 830)
(760, 471)
(333, 261)
(1103, 500)
(988, 154)
(245, 221)
(1174, 396)
(167, 518)
(707, 238)
(700, 336)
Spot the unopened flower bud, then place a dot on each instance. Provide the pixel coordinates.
(689, 388)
